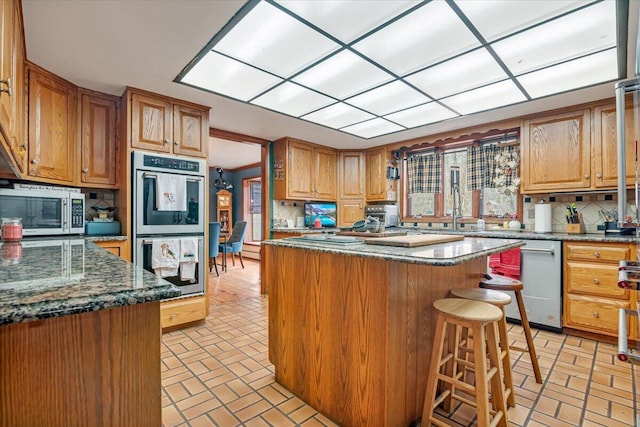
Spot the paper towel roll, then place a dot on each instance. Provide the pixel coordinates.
(542, 218)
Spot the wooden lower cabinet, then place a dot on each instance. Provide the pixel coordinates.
(283, 235)
(174, 313)
(116, 247)
(592, 298)
(100, 368)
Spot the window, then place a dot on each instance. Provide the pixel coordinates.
(488, 180)
(252, 207)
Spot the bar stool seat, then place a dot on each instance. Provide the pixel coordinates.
(481, 318)
(500, 300)
(505, 284)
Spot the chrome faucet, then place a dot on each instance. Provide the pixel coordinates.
(456, 212)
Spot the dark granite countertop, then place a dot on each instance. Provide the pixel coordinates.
(43, 278)
(441, 254)
(105, 238)
(528, 235)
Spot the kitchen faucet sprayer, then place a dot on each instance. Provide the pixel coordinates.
(455, 193)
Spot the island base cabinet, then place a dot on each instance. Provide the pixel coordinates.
(100, 368)
(352, 336)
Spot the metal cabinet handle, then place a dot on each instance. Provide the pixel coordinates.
(85, 170)
(596, 254)
(586, 177)
(8, 88)
(35, 161)
(598, 175)
(596, 281)
(166, 141)
(173, 316)
(596, 314)
(175, 143)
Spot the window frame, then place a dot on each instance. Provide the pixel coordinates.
(439, 208)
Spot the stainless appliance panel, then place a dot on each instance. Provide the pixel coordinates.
(143, 248)
(541, 273)
(150, 221)
(44, 213)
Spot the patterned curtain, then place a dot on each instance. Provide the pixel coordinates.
(425, 173)
(492, 166)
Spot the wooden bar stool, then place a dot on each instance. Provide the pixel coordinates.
(506, 284)
(482, 319)
(500, 300)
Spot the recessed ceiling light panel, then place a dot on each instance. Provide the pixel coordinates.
(587, 71)
(428, 35)
(498, 18)
(465, 72)
(292, 99)
(485, 98)
(343, 75)
(217, 73)
(338, 115)
(373, 128)
(421, 115)
(274, 41)
(347, 19)
(577, 34)
(389, 98)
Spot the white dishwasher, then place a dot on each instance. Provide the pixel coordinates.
(541, 274)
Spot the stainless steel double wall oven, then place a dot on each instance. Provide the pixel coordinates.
(151, 224)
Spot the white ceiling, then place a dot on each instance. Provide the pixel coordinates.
(106, 45)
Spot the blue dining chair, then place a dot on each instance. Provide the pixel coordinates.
(214, 245)
(234, 242)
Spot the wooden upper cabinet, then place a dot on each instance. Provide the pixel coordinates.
(167, 126)
(151, 125)
(190, 128)
(326, 173)
(98, 140)
(52, 127)
(304, 171)
(376, 176)
(351, 172)
(606, 145)
(12, 75)
(300, 171)
(556, 152)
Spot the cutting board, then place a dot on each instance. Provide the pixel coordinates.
(414, 240)
(369, 234)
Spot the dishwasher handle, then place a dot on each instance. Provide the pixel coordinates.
(624, 354)
(543, 251)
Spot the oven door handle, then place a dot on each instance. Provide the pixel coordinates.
(150, 242)
(544, 251)
(153, 175)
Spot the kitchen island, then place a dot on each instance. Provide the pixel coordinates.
(79, 336)
(351, 325)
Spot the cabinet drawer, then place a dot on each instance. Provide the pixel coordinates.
(602, 253)
(599, 315)
(594, 279)
(178, 312)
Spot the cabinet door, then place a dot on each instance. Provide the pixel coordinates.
(52, 128)
(556, 152)
(6, 63)
(190, 131)
(17, 138)
(606, 145)
(98, 141)
(300, 173)
(326, 174)
(376, 162)
(351, 175)
(151, 125)
(350, 211)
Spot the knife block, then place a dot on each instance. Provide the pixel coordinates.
(576, 228)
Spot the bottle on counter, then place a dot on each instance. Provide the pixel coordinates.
(11, 229)
(480, 224)
(317, 223)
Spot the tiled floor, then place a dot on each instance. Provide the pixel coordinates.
(218, 374)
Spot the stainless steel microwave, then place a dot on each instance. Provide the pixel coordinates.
(44, 212)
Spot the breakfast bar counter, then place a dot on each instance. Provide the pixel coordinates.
(351, 324)
(79, 336)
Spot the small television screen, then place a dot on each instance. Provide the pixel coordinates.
(326, 211)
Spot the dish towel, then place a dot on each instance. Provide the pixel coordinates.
(171, 192)
(165, 257)
(506, 263)
(188, 258)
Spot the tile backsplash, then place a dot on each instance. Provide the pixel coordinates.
(288, 210)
